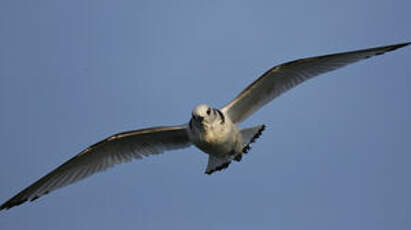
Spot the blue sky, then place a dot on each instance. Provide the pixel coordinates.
(335, 154)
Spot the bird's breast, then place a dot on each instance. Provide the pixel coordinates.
(218, 140)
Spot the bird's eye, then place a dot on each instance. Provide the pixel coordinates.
(208, 111)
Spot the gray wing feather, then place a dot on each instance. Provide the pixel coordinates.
(283, 77)
(119, 148)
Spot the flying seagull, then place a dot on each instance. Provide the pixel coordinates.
(212, 130)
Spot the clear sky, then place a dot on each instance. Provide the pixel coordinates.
(336, 153)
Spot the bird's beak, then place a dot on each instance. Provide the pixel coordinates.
(199, 119)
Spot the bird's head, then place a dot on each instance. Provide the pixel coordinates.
(204, 115)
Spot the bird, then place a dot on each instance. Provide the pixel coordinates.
(212, 130)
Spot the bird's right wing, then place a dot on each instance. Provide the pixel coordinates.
(119, 148)
(283, 77)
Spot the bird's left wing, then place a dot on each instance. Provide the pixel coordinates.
(119, 148)
(283, 77)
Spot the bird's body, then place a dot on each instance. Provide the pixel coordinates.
(214, 135)
(212, 130)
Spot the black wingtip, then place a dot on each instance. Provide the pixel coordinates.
(9, 204)
(238, 157)
(400, 45)
(219, 168)
(247, 148)
(392, 48)
(17, 200)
